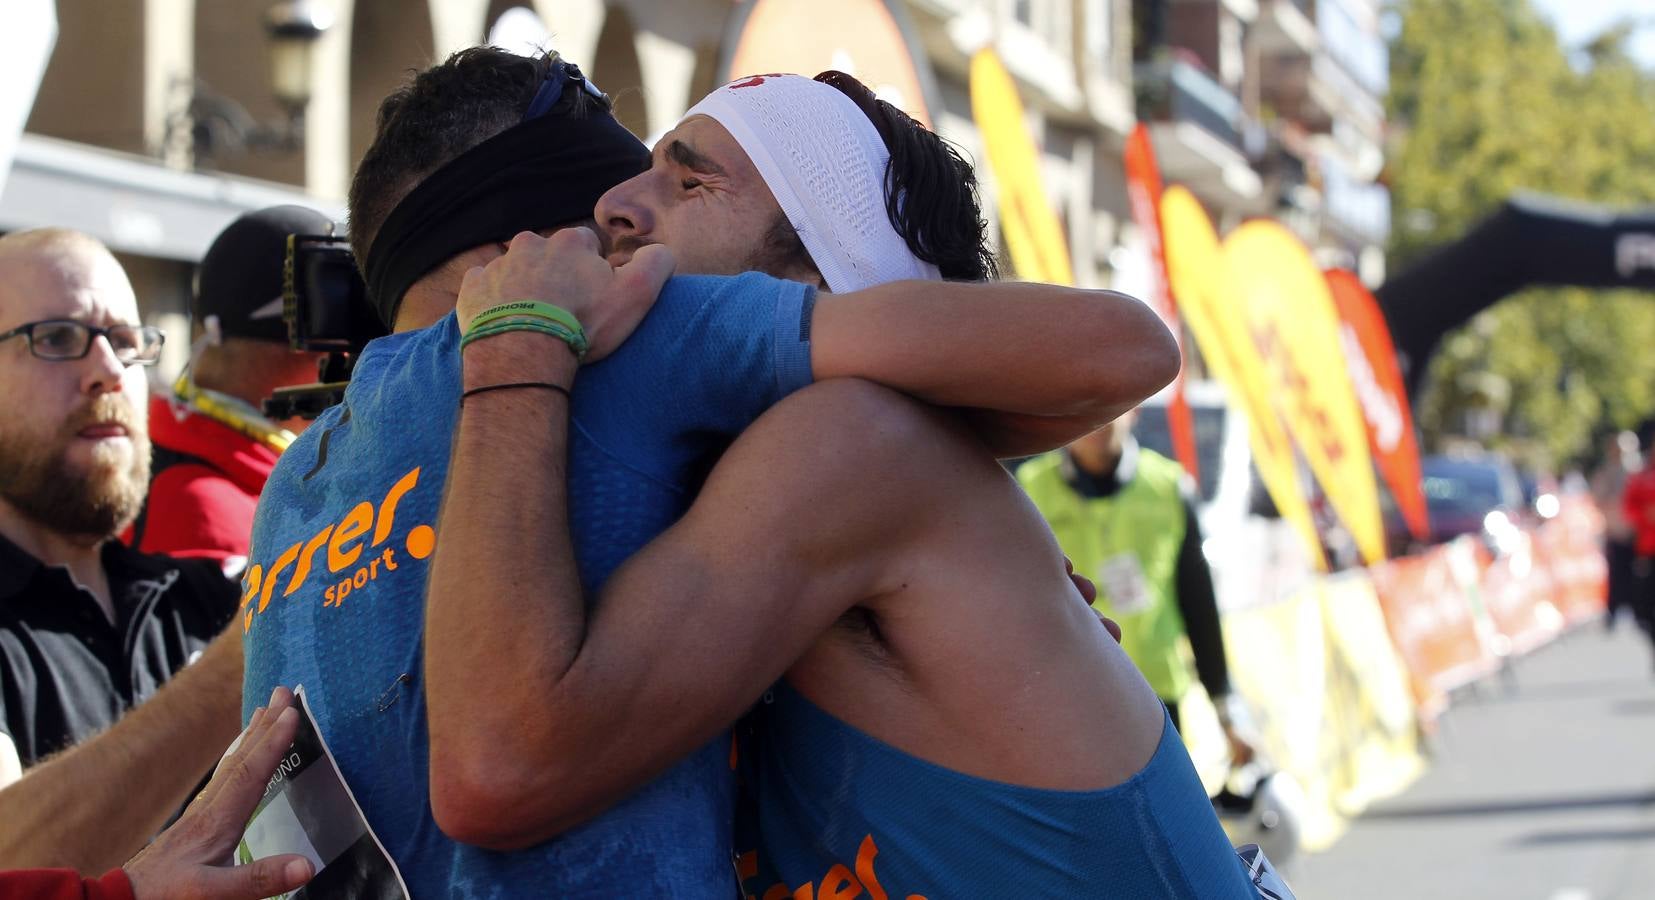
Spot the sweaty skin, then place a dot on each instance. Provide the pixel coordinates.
(844, 499)
(899, 525)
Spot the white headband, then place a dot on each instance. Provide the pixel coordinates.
(825, 163)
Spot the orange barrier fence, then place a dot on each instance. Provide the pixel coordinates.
(1338, 707)
(1454, 613)
(1430, 613)
(1571, 547)
(1519, 592)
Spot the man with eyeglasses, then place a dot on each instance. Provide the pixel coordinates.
(95, 754)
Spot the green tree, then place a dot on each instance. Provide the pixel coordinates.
(1485, 102)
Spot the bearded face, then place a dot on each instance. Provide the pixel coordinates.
(74, 441)
(84, 476)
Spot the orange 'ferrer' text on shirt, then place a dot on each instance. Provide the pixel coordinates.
(348, 568)
(839, 883)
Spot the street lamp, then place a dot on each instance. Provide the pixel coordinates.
(294, 27)
(218, 126)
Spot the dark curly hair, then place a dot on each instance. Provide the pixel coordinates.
(438, 115)
(930, 189)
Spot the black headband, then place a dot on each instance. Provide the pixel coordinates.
(547, 171)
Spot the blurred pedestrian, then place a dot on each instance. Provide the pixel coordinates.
(1638, 504)
(1608, 484)
(214, 448)
(1126, 516)
(91, 630)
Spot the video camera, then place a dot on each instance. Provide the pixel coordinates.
(325, 304)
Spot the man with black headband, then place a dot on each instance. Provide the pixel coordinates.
(953, 722)
(548, 171)
(345, 529)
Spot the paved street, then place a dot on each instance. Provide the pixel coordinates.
(1542, 787)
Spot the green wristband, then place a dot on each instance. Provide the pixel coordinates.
(541, 325)
(527, 308)
(528, 322)
(529, 315)
(575, 340)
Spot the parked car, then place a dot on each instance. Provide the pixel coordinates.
(1479, 495)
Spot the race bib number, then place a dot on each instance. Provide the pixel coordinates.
(1121, 578)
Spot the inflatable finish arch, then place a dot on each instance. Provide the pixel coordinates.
(1532, 240)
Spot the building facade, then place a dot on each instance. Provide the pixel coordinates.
(156, 121)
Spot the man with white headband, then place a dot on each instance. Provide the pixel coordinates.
(468, 154)
(798, 168)
(953, 721)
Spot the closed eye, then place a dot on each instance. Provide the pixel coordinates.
(685, 155)
(690, 184)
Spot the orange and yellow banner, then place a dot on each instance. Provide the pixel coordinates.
(1379, 388)
(1143, 192)
(1033, 234)
(1295, 328)
(1199, 272)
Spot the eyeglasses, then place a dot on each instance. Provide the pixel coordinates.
(61, 340)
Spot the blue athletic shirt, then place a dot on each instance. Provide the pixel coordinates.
(833, 808)
(333, 596)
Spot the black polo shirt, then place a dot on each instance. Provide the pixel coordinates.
(66, 673)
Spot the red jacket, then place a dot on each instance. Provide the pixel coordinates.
(203, 489)
(1639, 503)
(63, 884)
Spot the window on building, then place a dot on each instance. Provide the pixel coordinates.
(1231, 55)
(1059, 27)
(1149, 28)
(1099, 25)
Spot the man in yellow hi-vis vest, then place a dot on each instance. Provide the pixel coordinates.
(1126, 517)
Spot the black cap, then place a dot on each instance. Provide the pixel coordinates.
(240, 279)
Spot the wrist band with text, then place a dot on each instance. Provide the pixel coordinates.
(527, 308)
(575, 339)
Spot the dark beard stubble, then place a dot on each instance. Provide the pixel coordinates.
(97, 502)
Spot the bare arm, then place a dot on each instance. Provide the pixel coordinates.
(1040, 365)
(470, 623)
(513, 627)
(687, 633)
(91, 807)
